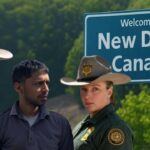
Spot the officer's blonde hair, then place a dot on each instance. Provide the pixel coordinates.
(109, 84)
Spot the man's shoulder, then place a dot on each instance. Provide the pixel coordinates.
(4, 117)
(55, 116)
(5, 113)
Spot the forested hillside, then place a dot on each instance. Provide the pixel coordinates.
(44, 30)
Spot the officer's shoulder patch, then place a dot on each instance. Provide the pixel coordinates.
(116, 136)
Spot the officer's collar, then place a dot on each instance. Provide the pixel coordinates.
(99, 115)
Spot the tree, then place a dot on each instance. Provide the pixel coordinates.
(72, 63)
(139, 4)
(78, 48)
(135, 110)
(43, 30)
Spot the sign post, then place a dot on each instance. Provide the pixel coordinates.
(123, 38)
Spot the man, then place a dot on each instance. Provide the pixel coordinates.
(28, 125)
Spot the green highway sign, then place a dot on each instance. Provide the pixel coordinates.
(123, 38)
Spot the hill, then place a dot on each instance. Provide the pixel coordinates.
(67, 106)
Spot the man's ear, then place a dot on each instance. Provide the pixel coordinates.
(18, 87)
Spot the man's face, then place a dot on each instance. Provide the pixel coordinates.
(34, 90)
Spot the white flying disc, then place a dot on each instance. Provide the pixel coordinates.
(5, 54)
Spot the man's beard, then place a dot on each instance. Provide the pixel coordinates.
(36, 102)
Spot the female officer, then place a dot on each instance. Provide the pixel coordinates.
(102, 129)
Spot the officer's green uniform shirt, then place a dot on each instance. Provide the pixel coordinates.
(105, 131)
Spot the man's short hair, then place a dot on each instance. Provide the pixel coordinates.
(26, 68)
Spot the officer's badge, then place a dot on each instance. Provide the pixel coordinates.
(88, 132)
(116, 136)
(86, 69)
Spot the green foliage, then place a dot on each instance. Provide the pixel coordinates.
(74, 57)
(107, 5)
(73, 60)
(121, 90)
(135, 110)
(139, 4)
(77, 50)
(48, 30)
(44, 30)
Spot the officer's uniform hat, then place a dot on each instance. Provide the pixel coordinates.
(5, 54)
(95, 69)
